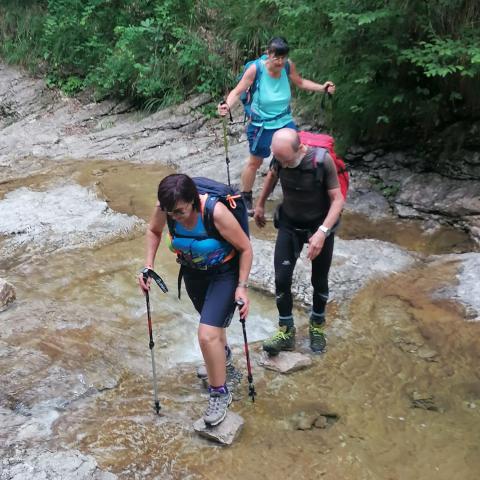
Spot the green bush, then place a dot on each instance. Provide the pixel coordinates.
(403, 68)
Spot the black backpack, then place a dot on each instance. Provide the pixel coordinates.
(217, 192)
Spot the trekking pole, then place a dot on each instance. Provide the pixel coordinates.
(251, 387)
(225, 142)
(325, 95)
(147, 272)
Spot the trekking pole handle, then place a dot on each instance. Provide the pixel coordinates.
(148, 272)
(228, 108)
(240, 304)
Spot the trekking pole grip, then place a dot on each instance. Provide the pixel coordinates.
(240, 304)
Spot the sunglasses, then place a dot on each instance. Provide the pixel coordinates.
(177, 212)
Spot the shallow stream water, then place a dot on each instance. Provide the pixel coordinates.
(399, 384)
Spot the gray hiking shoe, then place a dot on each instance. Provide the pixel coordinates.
(284, 339)
(217, 408)
(318, 342)
(234, 377)
(202, 369)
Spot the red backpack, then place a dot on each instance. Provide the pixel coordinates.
(322, 140)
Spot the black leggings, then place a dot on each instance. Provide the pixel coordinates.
(287, 250)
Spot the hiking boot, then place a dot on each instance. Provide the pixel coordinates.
(217, 408)
(248, 199)
(202, 369)
(284, 339)
(318, 342)
(234, 377)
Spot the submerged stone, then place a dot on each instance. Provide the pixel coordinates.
(225, 433)
(7, 294)
(286, 362)
(425, 401)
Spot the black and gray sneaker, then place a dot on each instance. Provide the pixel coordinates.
(217, 408)
(318, 342)
(248, 199)
(284, 339)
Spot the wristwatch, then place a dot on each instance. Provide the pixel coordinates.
(325, 230)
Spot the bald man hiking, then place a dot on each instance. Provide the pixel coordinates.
(309, 213)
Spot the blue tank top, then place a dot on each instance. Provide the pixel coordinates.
(196, 249)
(271, 98)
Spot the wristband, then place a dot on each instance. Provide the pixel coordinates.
(243, 284)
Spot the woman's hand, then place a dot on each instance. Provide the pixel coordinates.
(223, 109)
(241, 296)
(329, 87)
(144, 283)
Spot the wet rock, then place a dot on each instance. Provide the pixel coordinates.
(303, 421)
(424, 401)
(308, 421)
(7, 294)
(41, 465)
(427, 354)
(285, 362)
(468, 290)
(457, 202)
(369, 203)
(63, 217)
(225, 433)
(321, 422)
(355, 263)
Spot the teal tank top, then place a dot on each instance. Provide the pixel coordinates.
(271, 98)
(196, 249)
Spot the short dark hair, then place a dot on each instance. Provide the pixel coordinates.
(177, 187)
(278, 46)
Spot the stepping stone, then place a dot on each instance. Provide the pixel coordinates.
(285, 362)
(224, 433)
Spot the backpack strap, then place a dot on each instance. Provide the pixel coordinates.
(207, 218)
(318, 160)
(179, 281)
(287, 67)
(171, 226)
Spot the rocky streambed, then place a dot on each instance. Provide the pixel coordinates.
(396, 395)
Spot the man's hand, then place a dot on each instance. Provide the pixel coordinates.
(259, 216)
(315, 245)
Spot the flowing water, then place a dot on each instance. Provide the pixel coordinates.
(398, 390)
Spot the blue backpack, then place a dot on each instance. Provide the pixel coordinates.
(246, 97)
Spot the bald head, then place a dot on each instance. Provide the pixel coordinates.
(286, 146)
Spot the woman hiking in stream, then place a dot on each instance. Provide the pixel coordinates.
(215, 271)
(267, 80)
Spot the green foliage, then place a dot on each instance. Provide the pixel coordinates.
(403, 68)
(21, 26)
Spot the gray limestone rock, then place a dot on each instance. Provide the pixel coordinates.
(46, 465)
(285, 362)
(225, 433)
